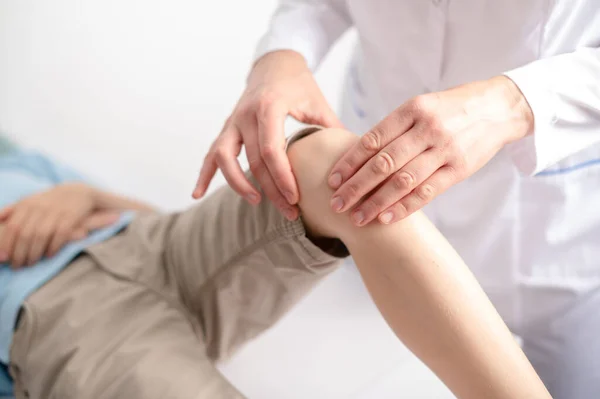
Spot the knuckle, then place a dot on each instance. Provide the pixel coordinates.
(400, 209)
(371, 206)
(432, 131)
(455, 172)
(242, 110)
(459, 169)
(219, 154)
(371, 141)
(62, 231)
(26, 235)
(350, 191)
(435, 127)
(403, 180)
(268, 152)
(210, 156)
(425, 192)
(255, 164)
(418, 104)
(459, 157)
(13, 228)
(42, 232)
(397, 151)
(383, 164)
(425, 103)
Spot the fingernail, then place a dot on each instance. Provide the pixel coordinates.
(335, 180)
(289, 196)
(337, 204)
(386, 218)
(358, 217)
(197, 193)
(253, 198)
(289, 213)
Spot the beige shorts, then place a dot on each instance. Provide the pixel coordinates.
(145, 314)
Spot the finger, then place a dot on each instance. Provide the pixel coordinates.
(207, 172)
(61, 235)
(42, 236)
(10, 234)
(24, 240)
(320, 114)
(271, 140)
(78, 234)
(262, 175)
(398, 186)
(329, 119)
(381, 166)
(99, 220)
(420, 196)
(6, 212)
(209, 167)
(226, 154)
(392, 127)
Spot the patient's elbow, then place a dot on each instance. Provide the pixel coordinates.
(312, 159)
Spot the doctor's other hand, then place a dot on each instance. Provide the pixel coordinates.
(280, 84)
(428, 144)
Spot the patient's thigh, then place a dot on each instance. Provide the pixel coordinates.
(89, 334)
(240, 268)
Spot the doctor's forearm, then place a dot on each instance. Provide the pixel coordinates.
(421, 286)
(563, 92)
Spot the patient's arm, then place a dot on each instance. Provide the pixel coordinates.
(421, 286)
(43, 223)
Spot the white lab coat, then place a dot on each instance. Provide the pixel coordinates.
(528, 223)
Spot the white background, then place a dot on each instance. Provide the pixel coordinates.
(132, 92)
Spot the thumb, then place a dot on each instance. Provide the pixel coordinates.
(330, 119)
(321, 115)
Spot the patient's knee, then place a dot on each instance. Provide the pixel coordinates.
(312, 159)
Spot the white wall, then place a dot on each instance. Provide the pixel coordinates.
(156, 78)
(133, 92)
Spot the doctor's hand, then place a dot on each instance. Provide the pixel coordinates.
(425, 146)
(280, 84)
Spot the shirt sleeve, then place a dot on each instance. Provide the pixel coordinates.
(309, 27)
(564, 94)
(55, 171)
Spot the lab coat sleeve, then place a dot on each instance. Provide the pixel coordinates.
(564, 94)
(309, 27)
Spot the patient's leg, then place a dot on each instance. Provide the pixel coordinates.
(421, 286)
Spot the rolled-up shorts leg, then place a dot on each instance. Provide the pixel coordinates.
(255, 265)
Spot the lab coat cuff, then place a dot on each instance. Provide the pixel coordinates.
(537, 151)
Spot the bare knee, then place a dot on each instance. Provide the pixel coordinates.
(312, 159)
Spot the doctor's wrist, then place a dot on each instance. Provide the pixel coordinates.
(520, 115)
(277, 64)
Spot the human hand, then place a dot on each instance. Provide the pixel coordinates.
(43, 223)
(425, 146)
(279, 85)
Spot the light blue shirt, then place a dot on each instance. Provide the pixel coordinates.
(23, 173)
